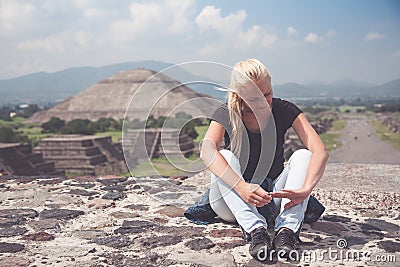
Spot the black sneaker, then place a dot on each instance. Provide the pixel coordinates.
(260, 244)
(284, 243)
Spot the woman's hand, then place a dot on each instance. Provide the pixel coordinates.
(253, 194)
(296, 196)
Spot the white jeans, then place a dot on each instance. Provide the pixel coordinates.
(229, 206)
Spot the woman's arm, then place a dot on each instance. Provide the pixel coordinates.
(317, 164)
(313, 142)
(217, 164)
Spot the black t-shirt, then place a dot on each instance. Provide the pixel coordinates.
(254, 163)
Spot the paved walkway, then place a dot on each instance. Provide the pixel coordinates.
(360, 145)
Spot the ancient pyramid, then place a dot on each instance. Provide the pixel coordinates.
(154, 94)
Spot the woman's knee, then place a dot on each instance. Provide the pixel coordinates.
(301, 154)
(231, 158)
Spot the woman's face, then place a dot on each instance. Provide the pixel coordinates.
(257, 97)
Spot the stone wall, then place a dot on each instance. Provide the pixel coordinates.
(19, 159)
(391, 121)
(77, 154)
(142, 145)
(292, 141)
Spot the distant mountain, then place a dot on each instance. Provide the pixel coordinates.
(44, 88)
(342, 88)
(295, 90)
(390, 89)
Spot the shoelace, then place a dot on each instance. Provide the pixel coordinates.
(285, 238)
(260, 236)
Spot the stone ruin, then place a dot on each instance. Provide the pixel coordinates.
(79, 154)
(292, 141)
(151, 143)
(17, 159)
(391, 121)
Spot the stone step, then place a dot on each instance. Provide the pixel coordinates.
(45, 167)
(67, 151)
(62, 162)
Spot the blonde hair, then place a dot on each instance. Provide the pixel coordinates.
(244, 71)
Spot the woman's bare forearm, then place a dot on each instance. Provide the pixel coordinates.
(217, 164)
(315, 169)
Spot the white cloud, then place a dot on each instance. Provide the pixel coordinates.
(83, 38)
(50, 44)
(323, 38)
(312, 38)
(269, 40)
(166, 17)
(331, 33)
(210, 17)
(291, 31)
(373, 36)
(230, 31)
(251, 36)
(15, 15)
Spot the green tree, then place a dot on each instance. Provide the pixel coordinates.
(78, 126)
(8, 135)
(135, 124)
(54, 125)
(151, 122)
(101, 125)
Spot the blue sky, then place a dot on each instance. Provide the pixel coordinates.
(298, 41)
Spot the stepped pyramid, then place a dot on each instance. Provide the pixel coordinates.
(111, 97)
(20, 159)
(83, 154)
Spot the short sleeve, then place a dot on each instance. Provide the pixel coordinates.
(221, 115)
(291, 113)
(285, 111)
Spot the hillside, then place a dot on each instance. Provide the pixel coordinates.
(44, 88)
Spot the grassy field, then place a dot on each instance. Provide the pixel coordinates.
(352, 109)
(116, 136)
(330, 138)
(201, 130)
(165, 167)
(385, 134)
(16, 121)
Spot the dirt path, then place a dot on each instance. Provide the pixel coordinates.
(360, 145)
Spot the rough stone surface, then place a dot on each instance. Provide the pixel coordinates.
(12, 231)
(60, 214)
(10, 247)
(389, 246)
(171, 211)
(82, 192)
(143, 230)
(45, 224)
(113, 241)
(328, 227)
(159, 241)
(41, 236)
(18, 213)
(200, 243)
(114, 195)
(132, 227)
(100, 203)
(226, 233)
(14, 262)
